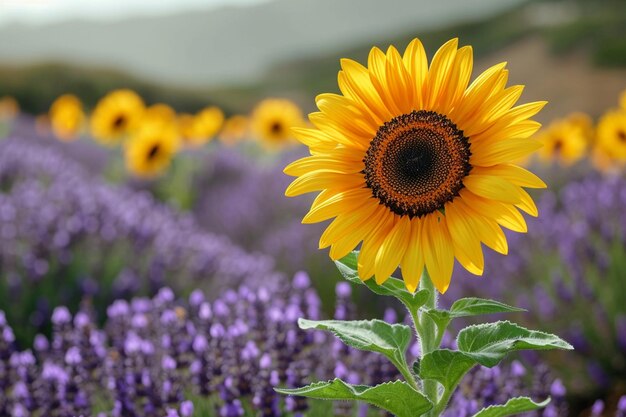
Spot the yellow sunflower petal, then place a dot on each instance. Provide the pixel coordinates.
(493, 188)
(416, 63)
(527, 204)
(376, 64)
(512, 173)
(504, 214)
(367, 256)
(340, 203)
(392, 250)
(320, 180)
(466, 242)
(438, 252)
(354, 82)
(489, 154)
(399, 80)
(413, 260)
(439, 73)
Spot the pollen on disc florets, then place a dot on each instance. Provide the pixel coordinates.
(416, 163)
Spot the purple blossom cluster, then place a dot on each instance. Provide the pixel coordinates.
(155, 355)
(244, 198)
(164, 356)
(568, 272)
(65, 235)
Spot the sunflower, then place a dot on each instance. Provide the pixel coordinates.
(149, 151)
(66, 117)
(611, 134)
(234, 129)
(414, 162)
(196, 130)
(159, 114)
(115, 115)
(9, 108)
(273, 119)
(566, 140)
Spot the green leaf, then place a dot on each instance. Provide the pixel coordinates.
(489, 343)
(468, 307)
(396, 397)
(393, 287)
(513, 406)
(476, 306)
(446, 367)
(391, 340)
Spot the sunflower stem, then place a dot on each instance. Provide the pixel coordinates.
(428, 337)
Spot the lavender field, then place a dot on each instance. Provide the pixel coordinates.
(153, 262)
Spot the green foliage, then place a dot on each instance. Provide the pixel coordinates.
(392, 340)
(489, 343)
(396, 397)
(512, 407)
(392, 287)
(446, 367)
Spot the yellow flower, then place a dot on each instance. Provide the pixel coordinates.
(414, 162)
(115, 115)
(611, 134)
(149, 151)
(199, 129)
(273, 119)
(159, 114)
(66, 117)
(566, 140)
(234, 129)
(9, 108)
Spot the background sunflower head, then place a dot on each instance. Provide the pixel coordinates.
(234, 130)
(273, 119)
(66, 117)
(149, 151)
(116, 115)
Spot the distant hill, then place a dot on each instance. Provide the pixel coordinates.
(233, 44)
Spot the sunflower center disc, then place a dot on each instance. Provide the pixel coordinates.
(416, 163)
(154, 150)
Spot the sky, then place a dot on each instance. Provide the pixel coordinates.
(46, 11)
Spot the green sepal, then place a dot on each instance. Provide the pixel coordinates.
(396, 397)
(489, 343)
(446, 367)
(393, 287)
(512, 407)
(392, 340)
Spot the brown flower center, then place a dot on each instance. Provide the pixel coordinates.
(276, 128)
(154, 150)
(416, 163)
(119, 122)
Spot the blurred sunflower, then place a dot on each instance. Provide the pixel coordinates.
(196, 130)
(159, 114)
(66, 117)
(566, 140)
(9, 108)
(273, 119)
(234, 129)
(414, 162)
(611, 134)
(149, 151)
(115, 115)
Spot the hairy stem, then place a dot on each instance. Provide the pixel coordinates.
(429, 338)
